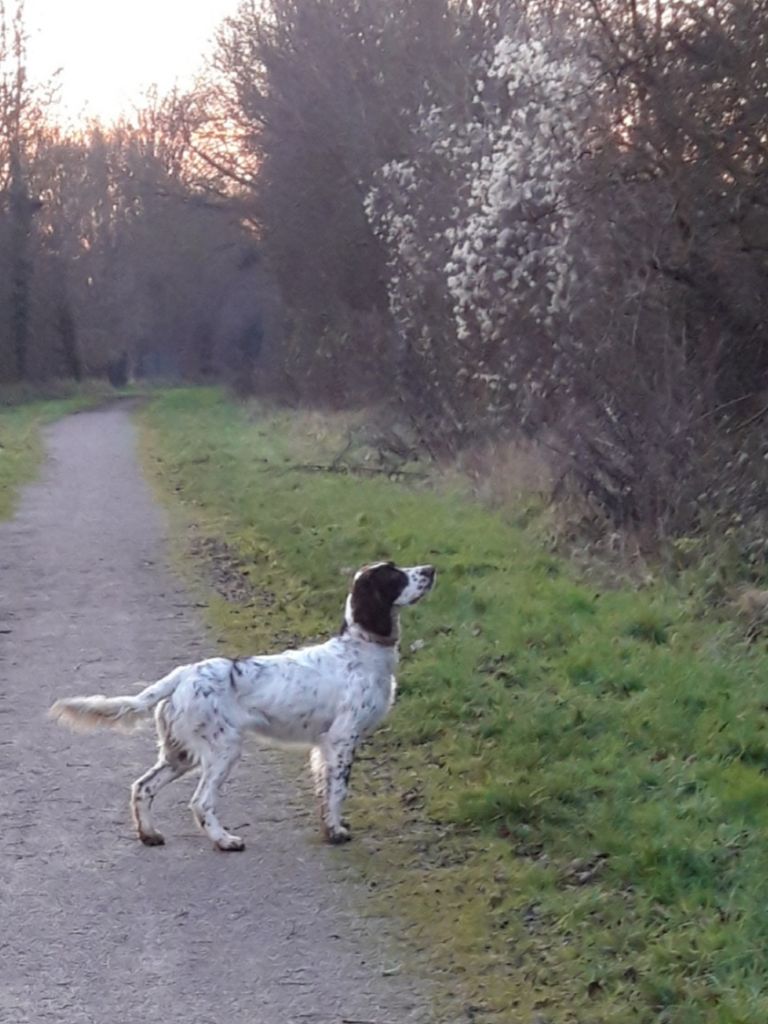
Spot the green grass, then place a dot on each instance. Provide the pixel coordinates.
(21, 417)
(569, 806)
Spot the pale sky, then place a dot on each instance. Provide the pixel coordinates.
(110, 50)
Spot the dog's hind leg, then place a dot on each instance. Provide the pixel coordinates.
(173, 761)
(217, 763)
(145, 789)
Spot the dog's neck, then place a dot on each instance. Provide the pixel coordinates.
(357, 631)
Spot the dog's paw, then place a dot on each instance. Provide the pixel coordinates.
(230, 844)
(337, 834)
(152, 838)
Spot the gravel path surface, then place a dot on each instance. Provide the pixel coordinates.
(94, 927)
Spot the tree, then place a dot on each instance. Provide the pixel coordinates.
(20, 117)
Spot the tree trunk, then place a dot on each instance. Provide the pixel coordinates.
(22, 208)
(68, 335)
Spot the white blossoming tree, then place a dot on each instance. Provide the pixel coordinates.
(482, 233)
(536, 216)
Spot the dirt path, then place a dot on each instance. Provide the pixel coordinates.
(95, 927)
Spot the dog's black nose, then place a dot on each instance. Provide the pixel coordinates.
(429, 571)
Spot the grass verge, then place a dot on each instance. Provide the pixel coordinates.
(568, 808)
(22, 414)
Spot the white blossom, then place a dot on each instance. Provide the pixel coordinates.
(501, 245)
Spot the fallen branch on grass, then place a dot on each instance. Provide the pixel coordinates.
(309, 467)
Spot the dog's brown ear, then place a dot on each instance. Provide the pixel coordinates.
(374, 593)
(371, 606)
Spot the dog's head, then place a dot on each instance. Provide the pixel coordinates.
(377, 590)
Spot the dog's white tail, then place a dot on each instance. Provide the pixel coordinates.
(115, 712)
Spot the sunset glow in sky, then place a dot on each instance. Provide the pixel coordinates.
(111, 50)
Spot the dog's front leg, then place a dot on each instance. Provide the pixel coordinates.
(319, 769)
(338, 754)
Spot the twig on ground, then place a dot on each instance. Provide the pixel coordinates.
(309, 467)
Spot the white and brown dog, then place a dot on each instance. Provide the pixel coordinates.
(329, 697)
